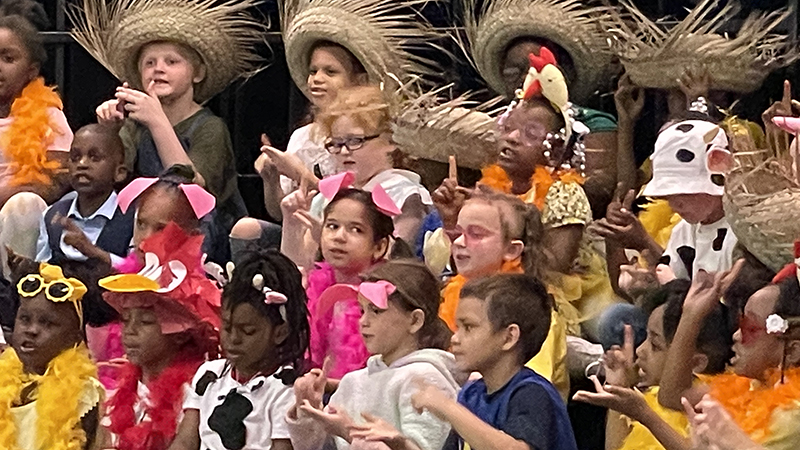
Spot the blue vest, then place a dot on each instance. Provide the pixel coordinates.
(115, 237)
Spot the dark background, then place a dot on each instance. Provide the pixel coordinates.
(270, 103)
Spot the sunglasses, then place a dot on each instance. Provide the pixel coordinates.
(353, 143)
(751, 329)
(56, 291)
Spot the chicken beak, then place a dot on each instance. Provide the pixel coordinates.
(534, 90)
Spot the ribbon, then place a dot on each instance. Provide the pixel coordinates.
(202, 201)
(331, 186)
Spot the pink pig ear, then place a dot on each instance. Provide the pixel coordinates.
(330, 186)
(719, 160)
(201, 200)
(787, 124)
(384, 203)
(132, 191)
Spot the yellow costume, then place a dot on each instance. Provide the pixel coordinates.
(640, 438)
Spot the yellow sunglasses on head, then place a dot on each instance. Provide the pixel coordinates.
(55, 286)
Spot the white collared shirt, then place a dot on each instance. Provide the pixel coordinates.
(91, 226)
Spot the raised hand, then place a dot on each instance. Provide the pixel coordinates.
(695, 82)
(287, 164)
(629, 100)
(713, 427)
(624, 400)
(144, 107)
(428, 398)
(310, 388)
(619, 362)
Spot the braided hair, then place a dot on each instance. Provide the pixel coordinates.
(25, 18)
(281, 275)
(169, 182)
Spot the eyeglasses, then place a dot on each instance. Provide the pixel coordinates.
(353, 143)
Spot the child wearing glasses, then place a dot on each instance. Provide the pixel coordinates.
(49, 393)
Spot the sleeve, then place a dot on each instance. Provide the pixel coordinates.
(43, 253)
(191, 399)
(211, 153)
(531, 418)
(278, 411)
(287, 184)
(305, 433)
(566, 204)
(61, 129)
(427, 431)
(680, 238)
(128, 136)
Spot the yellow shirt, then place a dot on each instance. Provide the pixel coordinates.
(640, 437)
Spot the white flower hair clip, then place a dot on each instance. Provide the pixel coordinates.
(271, 297)
(777, 324)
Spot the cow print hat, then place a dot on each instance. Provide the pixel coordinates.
(691, 157)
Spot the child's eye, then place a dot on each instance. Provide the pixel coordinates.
(332, 226)
(330, 73)
(9, 59)
(356, 230)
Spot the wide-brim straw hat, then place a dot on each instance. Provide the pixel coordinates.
(429, 127)
(570, 24)
(381, 34)
(221, 32)
(657, 57)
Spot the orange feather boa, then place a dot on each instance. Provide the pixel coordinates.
(543, 178)
(26, 139)
(752, 408)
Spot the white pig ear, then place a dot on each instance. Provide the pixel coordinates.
(719, 160)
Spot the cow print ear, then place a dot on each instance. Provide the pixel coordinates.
(685, 127)
(718, 179)
(684, 155)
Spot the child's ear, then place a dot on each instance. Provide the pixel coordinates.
(514, 250)
(512, 337)
(362, 79)
(121, 174)
(792, 353)
(280, 333)
(699, 363)
(417, 320)
(381, 249)
(200, 74)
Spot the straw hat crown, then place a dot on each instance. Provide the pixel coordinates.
(656, 57)
(569, 24)
(221, 32)
(381, 34)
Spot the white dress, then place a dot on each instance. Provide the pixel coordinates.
(312, 153)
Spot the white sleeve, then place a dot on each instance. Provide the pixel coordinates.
(43, 253)
(281, 404)
(191, 399)
(428, 432)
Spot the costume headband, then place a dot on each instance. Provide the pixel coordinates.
(331, 186)
(788, 124)
(376, 292)
(201, 200)
(56, 287)
(271, 297)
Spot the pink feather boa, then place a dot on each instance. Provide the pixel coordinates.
(334, 333)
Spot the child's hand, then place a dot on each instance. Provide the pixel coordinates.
(629, 100)
(428, 397)
(695, 82)
(287, 164)
(144, 107)
(310, 387)
(449, 198)
(713, 427)
(335, 422)
(619, 362)
(108, 112)
(627, 401)
(376, 429)
(707, 289)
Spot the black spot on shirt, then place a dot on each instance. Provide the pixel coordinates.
(717, 244)
(685, 127)
(687, 255)
(718, 179)
(684, 155)
(202, 384)
(227, 420)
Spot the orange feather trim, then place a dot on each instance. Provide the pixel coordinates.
(543, 178)
(27, 138)
(752, 408)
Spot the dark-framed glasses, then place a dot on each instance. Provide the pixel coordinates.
(334, 146)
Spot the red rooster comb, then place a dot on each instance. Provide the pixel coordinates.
(544, 58)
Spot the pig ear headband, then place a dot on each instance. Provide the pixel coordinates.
(330, 186)
(376, 292)
(201, 200)
(271, 297)
(788, 124)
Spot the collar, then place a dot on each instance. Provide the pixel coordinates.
(390, 175)
(107, 209)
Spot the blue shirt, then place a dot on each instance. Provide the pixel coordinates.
(91, 226)
(528, 408)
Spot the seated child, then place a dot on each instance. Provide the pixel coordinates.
(170, 320)
(761, 393)
(241, 401)
(50, 395)
(654, 426)
(402, 331)
(89, 225)
(356, 234)
(502, 322)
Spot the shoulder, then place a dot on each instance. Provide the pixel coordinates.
(207, 369)
(63, 133)
(400, 185)
(203, 122)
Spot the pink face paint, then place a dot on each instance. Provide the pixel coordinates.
(751, 329)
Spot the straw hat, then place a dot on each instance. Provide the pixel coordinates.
(221, 32)
(570, 24)
(657, 58)
(379, 33)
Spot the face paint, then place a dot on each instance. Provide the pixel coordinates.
(751, 329)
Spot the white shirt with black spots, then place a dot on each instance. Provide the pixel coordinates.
(700, 246)
(233, 415)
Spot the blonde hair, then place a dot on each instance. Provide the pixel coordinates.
(367, 106)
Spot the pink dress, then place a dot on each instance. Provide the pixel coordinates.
(334, 328)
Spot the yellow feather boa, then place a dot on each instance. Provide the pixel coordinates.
(26, 139)
(57, 406)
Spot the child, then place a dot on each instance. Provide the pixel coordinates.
(241, 401)
(403, 332)
(49, 396)
(655, 427)
(90, 225)
(170, 317)
(761, 394)
(356, 235)
(34, 134)
(168, 73)
(499, 233)
(502, 322)
(169, 198)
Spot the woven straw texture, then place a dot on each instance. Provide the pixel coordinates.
(221, 32)
(380, 33)
(656, 57)
(569, 24)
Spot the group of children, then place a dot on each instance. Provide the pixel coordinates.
(376, 314)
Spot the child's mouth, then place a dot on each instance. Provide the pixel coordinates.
(27, 347)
